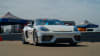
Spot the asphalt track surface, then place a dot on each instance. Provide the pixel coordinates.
(16, 48)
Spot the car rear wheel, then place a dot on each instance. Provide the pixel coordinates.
(24, 41)
(35, 38)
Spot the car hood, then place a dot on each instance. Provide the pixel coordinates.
(59, 27)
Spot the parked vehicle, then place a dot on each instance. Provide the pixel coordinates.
(87, 26)
(46, 31)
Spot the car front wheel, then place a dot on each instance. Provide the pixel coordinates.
(35, 38)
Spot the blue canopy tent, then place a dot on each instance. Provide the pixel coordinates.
(88, 26)
(10, 19)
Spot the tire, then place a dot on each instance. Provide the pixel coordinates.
(35, 38)
(73, 44)
(23, 40)
(26, 33)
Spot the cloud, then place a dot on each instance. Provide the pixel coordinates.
(0, 8)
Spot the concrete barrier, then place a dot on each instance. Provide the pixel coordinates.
(90, 36)
(86, 37)
(12, 36)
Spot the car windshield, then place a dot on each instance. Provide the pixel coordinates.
(49, 22)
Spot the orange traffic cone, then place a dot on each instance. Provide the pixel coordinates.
(1, 38)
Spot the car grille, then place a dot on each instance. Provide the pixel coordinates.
(47, 37)
(63, 40)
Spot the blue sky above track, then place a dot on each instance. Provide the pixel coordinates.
(77, 10)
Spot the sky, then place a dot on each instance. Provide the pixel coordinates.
(76, 10)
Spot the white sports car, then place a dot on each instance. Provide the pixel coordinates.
(50, 31)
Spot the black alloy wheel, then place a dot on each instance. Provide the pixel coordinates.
(35, 38)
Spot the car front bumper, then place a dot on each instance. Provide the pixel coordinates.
(58, 37)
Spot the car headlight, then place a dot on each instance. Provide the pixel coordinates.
(44, 29)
